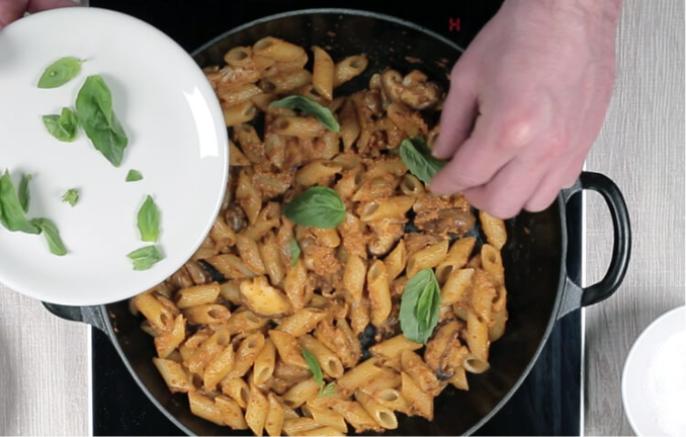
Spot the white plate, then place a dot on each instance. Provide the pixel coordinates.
(177, 139)
(654, 378)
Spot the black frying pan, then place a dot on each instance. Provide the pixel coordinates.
(539, 290)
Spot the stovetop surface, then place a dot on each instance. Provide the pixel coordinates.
(549, 400)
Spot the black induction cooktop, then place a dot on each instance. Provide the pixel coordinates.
(549, 400)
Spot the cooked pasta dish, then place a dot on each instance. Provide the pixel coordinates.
(334, 291)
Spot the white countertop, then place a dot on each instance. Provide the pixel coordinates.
(44, 361)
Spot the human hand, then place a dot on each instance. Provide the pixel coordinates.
(527, 99)
(11, 10)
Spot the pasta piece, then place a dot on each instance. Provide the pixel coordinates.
(240, 113)
(328, 361)
(354, 277)
(230, 266)
(176, 378)
(203, 406)
(297, 426)
(359, 315)
(264, 365)
(478, 343)
(161, 317)
(317, 173)
(421, 374)
(459, 379)
(218, 368)
(237, 389)
(358, 376)
(391, 398)
(246, 354)
(244, 321)
(326, 417)
(239, 57)
(322, 431)
(166, 343)
(355, 415)
(394, 346)
(379, 292)
(492, 262)
(197, 295)
(323, 73)
(269, 252)
(494, 228)
(301, 392)
(350, 128)
(411, 186)
(239, 95)
(396, 261)
(199, 357)
(302, 321)
(294, 285)
(278, 49)
(390, 208)
(426, 258)
(299, 127)
(250, 254)
(349, 68)
(231, 412)
(256, 411)
(284, 81)
(456, 287)
(275, 416)
(384, 416)
(288, 348)
(207, 314)
(222, 235)
(420, 403)
(457, 257)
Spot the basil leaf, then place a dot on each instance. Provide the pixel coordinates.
(420, 306)
(309, 107)
(149, 220)
(294, 249)
(12, 214)
(60, 72)
(133, 176)
(23, 193)
(52, 236)
(71, 196)
(94, 111)
(313, 364)
(63, 126)
(320, 207)
(145, 257)
(416, 155)
(328, 390)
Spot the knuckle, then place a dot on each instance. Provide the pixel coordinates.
(517, 131)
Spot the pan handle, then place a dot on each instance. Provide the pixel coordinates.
(574, 296)
(92, 315)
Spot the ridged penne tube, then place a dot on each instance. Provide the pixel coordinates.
(350, 128)
(218, 368)
(160, 316)
(354, 276)
(457, 257)
(244, 322)
(302, 321)
(396, 260)
(166, 343)
(269, 252)
(222, 235)
(478, 343)
(439, 349)
(494, 228)
(250, 254)
(246, 354)
(240, 113)
(197, 295)
(237, 389)
(317, 173)
(426, 258)
(239, 56)
(275, 416)
(358, 376)
(456, 287)
(483, 293)
(355, 415)
(207, 314)
(231, 412)
(263, 368)
(175, 376)
(300, 127)
(420, 403)
(325, 417)
(323, 73)
(256, 411)
(383, 415)
(387, 378)
(359, 315)
(348, 68)
(278, 49)
(301, 392)
(288, 348)
(239, 95)
(411, 186)
(379, 293)
(297, 426)
(421, 373)
(391, 398)
(492, 262)
(328, 361)
(203, 406)
(391, 208)
(294, 285)
(394, 346)
(459, 379)
(286, 81)
(389, 166)
(230, 266)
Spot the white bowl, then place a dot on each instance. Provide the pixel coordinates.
(654, 378)
(177, 139)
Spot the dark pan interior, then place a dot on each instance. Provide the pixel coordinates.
(532, 257)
